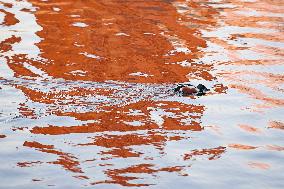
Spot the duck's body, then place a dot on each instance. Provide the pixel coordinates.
(189, 90)
(186, 91)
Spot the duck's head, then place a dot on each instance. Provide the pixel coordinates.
(201, 89)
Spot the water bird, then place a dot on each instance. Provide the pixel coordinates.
(186, 89)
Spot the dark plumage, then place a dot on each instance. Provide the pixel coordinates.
(188, 90)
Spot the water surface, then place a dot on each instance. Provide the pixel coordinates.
(87, 101)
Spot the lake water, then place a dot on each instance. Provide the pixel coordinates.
(87, 101)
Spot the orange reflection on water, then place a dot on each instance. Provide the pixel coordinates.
(259, 165)
(114, 45)
(242, 147)
(9, 18)
(213, 153)
(66, 160)
(28, 164)
(118, 62)
(276, 125)
(259, 95)
(275, 147)
(2, 136)
(118, 119)
(117, 174)
(250, 129)
(6, 44)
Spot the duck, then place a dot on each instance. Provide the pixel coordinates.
(191, 90)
